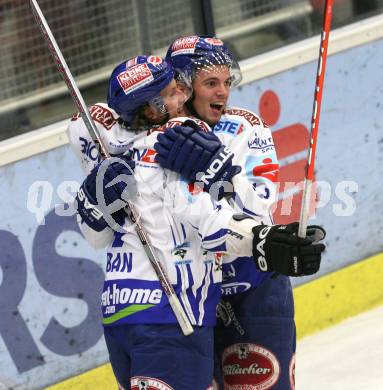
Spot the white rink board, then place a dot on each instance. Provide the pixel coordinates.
(51, 280)
(48, 273)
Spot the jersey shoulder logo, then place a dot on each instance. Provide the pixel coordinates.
(203, 125)
(99, 114)
(167, 125)
(248, 115)
(103, 116)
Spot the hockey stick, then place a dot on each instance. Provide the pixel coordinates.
(315, 119)
(131, 211)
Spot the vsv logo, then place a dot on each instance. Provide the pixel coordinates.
(291, 143)
(146, 155)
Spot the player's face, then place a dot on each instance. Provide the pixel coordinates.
(211, 93)
(173, 98)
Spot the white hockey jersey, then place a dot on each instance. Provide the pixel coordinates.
(255, 186)
(186, 228)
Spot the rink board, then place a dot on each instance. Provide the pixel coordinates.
(51, 280)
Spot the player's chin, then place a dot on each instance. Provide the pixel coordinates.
(214, 116)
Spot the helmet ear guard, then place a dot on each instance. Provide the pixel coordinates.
(136, 83)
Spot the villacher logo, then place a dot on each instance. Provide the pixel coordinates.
(249, 367)
(146, 383)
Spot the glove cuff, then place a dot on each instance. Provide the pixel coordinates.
(260, 248)
(88, 211)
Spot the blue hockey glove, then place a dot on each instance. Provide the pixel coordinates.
(196, 155)
(278, 248)
(103, 194)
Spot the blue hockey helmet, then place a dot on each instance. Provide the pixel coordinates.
(137, 82)
(191, 53)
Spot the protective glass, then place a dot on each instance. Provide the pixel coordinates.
(171, 100)
(211, 63)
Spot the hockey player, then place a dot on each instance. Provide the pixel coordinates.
(145, 344)
(257, 329)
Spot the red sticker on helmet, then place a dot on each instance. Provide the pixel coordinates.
(135, 77)
(214, 41)
(154, 60)
(146, 383)
(250, 367)
(185, 45)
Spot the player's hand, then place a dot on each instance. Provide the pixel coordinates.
(105, 191)
(197, 155)
(278, 248)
